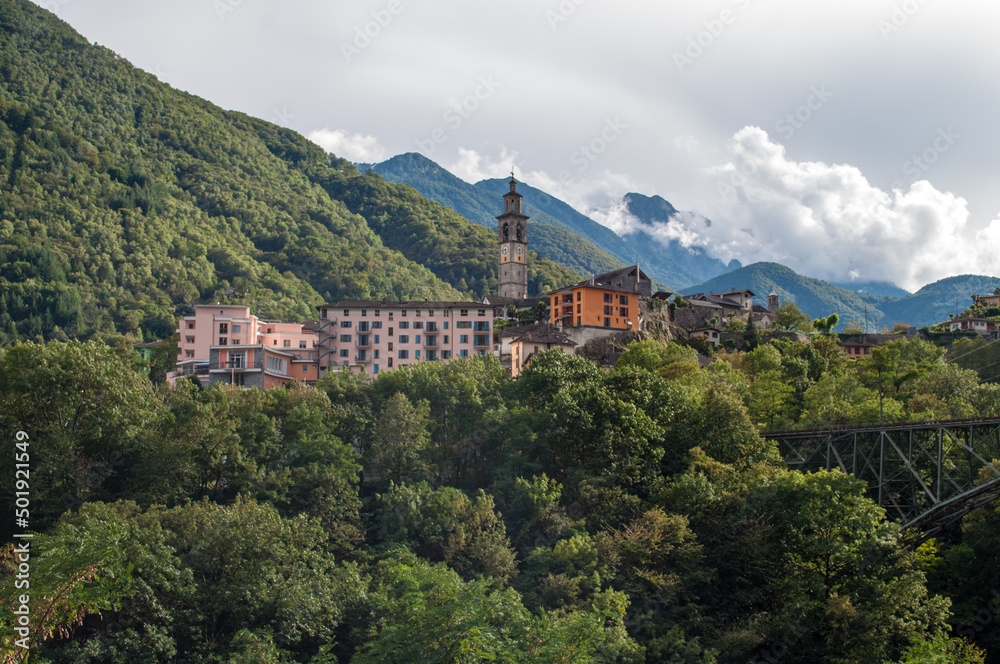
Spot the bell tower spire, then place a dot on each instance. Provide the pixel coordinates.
(512, 238)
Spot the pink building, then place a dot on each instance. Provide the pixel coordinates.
(226, 343)
(373, 336)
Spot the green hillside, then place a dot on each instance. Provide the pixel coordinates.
(816, 298)
(932, 303)
(461, 253)
(929, 305)
(549, 236)
(124, 201)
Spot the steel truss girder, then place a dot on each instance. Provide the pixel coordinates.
(926, 476)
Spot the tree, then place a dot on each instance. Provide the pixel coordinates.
(826, 325)
(401, 440)
(445, 525)
(790, 317)
(428, 614)
(85, 407)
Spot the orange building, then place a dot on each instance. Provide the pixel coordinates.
(608, 301)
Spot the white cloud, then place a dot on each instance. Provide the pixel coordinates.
(353, 147)
(828, 221)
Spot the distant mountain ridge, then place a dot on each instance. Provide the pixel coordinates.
(929, 305)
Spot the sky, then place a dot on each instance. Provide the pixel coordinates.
(851, 140)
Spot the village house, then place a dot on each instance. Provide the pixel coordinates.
(524, 346)
(982, 326)
(227, 344)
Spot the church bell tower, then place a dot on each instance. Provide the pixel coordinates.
(512, 236)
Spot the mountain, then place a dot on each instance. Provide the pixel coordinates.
(932, 303)
(874, 288)
(672, 264)
(548, 236)
(651, 213)
(929, 305)
(123, 200)
(559, 232)
(816, 298)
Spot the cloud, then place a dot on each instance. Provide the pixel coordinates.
(353, 147)
(828, 221)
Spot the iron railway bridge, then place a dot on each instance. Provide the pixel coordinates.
(926, 475)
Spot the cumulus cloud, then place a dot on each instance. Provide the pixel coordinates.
(353, 147)
(828, 221)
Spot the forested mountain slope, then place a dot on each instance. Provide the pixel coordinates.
(122, 200)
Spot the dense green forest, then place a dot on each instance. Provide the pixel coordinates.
(446, 513)
(122, 201)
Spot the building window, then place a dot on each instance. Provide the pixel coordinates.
(482, 312)
(287, 343)
(345, 338)
(190, 326)
(237, 360)
(222, 341)
(404, 354)
(418, 325)
(431, 355)
(608, 310)
(236, 329)
(464, 324)
(363, 326)
(463, 339)
(302, 343)
(376, 338)
(189, 353)
(481, 340)
(189, 340)
(607, 322)
(445, 339)
(364, 312)
(343, 352)
(347, 312)
(376, 325)
(623, 299)
(403, 313)
(464, 353)
(345, 324)
(375, 353)
(624, 312)
(323, 313)
(464, 312)
(404, 325)
(579, 320)
(446, 323)
(608, 297)
(579, 294)
(223, 328)
(390, 363)
(416, 355)
(404, 338)
(305, 368)
(416, 338)
(276, 364)
(376, 370)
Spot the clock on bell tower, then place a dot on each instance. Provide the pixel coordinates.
(512, 236)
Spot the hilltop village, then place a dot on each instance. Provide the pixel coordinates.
(597, 318)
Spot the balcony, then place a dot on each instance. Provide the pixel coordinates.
(362, 358)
